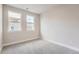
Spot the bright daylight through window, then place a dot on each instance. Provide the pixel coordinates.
(14, 21)
(30, 23)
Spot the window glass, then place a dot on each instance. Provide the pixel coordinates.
(30, 19)
(30, 23)
(30, 27)
(14, 21)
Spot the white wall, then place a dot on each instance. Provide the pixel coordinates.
(23, 35)
(60, 25)
(0, 27)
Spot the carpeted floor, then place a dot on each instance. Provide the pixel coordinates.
(37, 47)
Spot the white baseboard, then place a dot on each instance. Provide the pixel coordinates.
(64, 45)
(19, 41)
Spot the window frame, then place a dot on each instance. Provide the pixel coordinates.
(23, 19)
(9, 21)
(30, 23)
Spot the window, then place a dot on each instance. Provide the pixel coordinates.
(14, 21)
(30, 23)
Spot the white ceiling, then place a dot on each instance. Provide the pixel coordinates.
(36, 8)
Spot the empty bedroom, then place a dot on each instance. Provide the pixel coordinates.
(39, 28)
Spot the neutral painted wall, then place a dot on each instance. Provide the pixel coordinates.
(23, 35)
(61, 25)
(0, 27)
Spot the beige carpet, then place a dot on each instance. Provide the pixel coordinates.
(37, 47)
